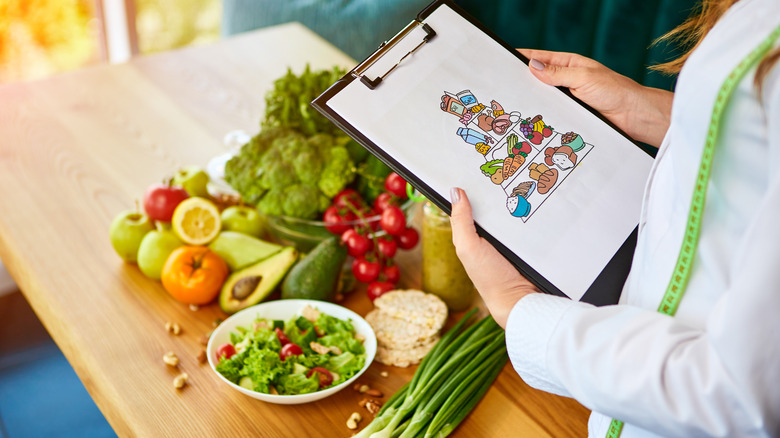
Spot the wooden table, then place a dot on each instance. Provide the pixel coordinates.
(78, 148)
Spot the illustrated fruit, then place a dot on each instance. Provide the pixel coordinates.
(242, 219)
(194, 274)
(196, 221)
(193, 179)
(535, 137)
(316, 276)
(252, 284)
(154, 251)
(126, 233)
(239, 250)
(160, 200)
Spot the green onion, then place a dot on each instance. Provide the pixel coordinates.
(448, 383)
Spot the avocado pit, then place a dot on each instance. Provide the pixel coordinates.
(245, 286)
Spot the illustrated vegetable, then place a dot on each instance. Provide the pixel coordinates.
(448, 383)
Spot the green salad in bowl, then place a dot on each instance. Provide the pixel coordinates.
(291, 351)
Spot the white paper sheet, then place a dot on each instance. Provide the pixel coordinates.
(580, 204)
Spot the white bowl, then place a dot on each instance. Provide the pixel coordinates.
(284, 310)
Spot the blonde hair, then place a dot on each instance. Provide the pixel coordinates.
(692, 31)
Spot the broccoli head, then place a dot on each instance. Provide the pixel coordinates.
(338, 172)
(278, 175)
(321, 142)
(272, 202)
(290, 146)
(301, 201)
(308, 166)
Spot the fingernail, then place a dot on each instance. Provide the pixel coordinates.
(454, 195)
(536, 64)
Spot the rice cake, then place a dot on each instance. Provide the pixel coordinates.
(407, 325)
(404, 357)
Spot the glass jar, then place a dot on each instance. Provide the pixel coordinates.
(442, 272)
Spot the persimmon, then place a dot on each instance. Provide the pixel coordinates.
(194, 274)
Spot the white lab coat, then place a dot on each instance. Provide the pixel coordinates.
(714, 368)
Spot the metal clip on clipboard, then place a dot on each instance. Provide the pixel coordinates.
(360, 70)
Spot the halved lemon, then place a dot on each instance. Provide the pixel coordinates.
(196, 221)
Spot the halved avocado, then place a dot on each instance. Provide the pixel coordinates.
(252, 284)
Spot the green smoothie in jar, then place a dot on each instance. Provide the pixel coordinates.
(442, 271)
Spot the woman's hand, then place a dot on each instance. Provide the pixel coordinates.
(499, 283)
(641, 112)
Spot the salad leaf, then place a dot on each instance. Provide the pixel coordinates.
(297, 384)
(346, 364)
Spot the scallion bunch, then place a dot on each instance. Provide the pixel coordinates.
(449, 382)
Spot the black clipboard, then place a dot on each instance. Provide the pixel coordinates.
(607, 285)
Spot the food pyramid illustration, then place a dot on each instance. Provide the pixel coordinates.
(524, 156)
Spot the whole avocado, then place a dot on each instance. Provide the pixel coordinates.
(316, 275)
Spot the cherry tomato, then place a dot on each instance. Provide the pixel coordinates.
(383, 201)
(225, 351)
(326, 378)
(348, 197)
(408, 238)
(161, 199)
(365, 270)
(290, 350)
(281, 336)
(387, 247)
(335, 219)
(396, 185)
(393, 221)
(377, 288)
(194, 274)
(357, 244)
(392, 273)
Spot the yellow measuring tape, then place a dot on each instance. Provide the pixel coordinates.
(682, 269)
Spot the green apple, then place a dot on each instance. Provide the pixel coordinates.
(126, 233)
(193, 179)
(155, 248)
(242, 219)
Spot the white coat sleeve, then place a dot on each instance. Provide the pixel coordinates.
(653, 371)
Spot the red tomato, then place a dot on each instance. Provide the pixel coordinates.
(281, 336)
(393, 221)
(377, 288)
(357, 244)
(290, 350)
(326, 378)
(392, 273)
(225, 350)
(348, 197)
(161, 199)
(335, 220)
(365, 271)
(408, 238)
(396, 185)
(383, 201)
(387, 247)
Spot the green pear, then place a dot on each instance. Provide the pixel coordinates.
(155, 248)
(193, 180)
(126, 233)
(239, 250)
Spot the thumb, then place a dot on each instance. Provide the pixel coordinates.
(558, 75)
(464, 233)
